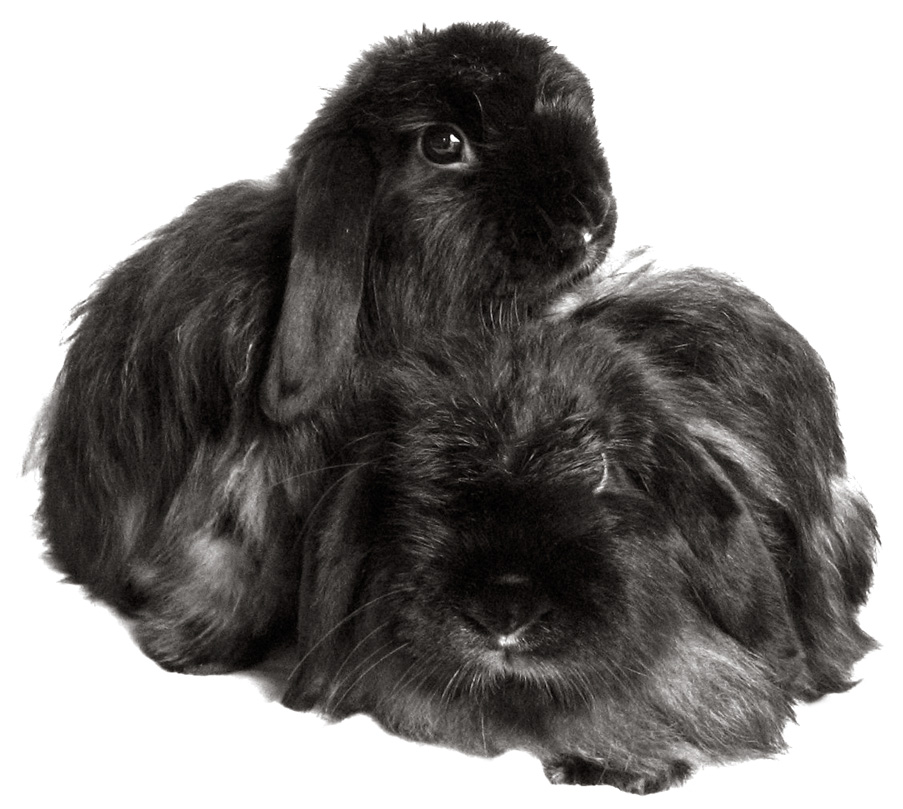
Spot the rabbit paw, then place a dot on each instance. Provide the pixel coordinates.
(187, 647)
(573, 770)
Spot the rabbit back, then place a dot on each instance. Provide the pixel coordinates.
(154, 453)
(772, 423)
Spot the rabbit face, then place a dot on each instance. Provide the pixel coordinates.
(501, 538)
(522, 546)
(454, 181)
(488, 178)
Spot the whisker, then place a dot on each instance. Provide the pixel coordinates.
(337, 684)
(352, 465)
(483, 729)
(582, 205)
(584, 689)
(426, 673)
(365, 672)
(445, 696)
(413, 671)
(360, 643)
(351, 615)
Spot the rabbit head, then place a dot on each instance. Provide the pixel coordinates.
(456, 176)
(527, 549)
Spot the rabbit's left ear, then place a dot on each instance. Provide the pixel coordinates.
(733, 573)
(315, 337)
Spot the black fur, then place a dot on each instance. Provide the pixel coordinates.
(184, 441)
(626, 542)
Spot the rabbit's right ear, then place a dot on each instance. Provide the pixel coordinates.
(315, 337)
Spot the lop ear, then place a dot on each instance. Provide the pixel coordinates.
(314, 340)
(332, 569)
(733, 572)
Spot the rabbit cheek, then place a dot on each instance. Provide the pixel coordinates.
(427, 275)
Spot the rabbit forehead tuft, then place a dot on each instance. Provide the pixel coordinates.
(524, 402)
(486, 65)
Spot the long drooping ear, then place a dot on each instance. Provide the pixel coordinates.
(334, 555)
(315, 337)
(733, 573)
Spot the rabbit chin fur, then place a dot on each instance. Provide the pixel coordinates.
(626, 542)
(454, 181)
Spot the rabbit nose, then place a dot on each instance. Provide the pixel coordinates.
(510, 604)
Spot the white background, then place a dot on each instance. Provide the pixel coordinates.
(761, 138)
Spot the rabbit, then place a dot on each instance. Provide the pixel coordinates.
(623, 540)
(455, 181)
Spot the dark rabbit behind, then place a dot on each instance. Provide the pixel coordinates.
(454, 181)
(625, 542)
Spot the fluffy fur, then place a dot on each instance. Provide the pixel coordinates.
(454, 181)
(626, 542)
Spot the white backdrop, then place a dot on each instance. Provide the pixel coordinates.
(763, 139)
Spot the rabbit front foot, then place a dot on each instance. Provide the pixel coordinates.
(188, 647)
(574, 770)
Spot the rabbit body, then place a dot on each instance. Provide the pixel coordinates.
(625, 541)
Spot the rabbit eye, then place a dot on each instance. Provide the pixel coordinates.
(444, 145)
